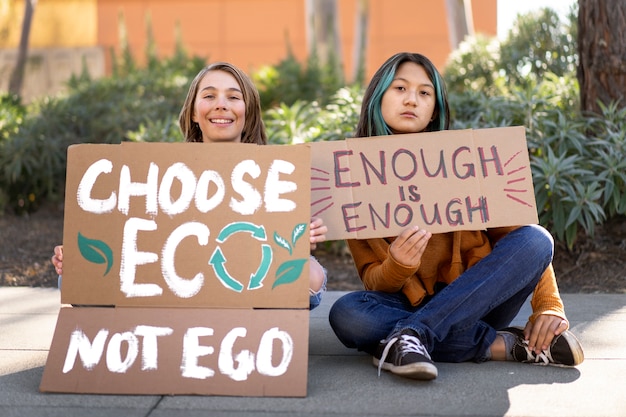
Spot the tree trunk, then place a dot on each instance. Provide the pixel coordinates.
(602, 53)
(323, 29)
(17, 77)
(360, 41)
(460, 21)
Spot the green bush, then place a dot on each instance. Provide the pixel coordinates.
(308, 122)
(578, 161)
(529, 80)
(290, 81)
(539, 43)
(474, 66)
(579, 169)
(136, 104)
(12, 113)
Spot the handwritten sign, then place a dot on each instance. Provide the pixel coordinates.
(186, 224)
(187, 265)
(179, 351)
(441, 181)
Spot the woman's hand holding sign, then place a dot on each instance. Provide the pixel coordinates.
(410, 245)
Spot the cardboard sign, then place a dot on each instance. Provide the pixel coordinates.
(187, 224)
(440, 181)
(198, 254)
(123, 350)
(199, 258)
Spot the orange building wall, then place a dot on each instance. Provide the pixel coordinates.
(55, 24)
(253, 33)
(248, 33)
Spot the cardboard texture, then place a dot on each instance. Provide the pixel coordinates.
(198, 255)
(197, 258)
(441, 181)
(128, 350)
(146, 224)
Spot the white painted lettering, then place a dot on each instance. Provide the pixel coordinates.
(114, 360)
(137, 189)
(150, 350)
(131, 258)
(184, 175)
(192, 350)
(274, 187)
(87, 182)
(245, 358)
(204, 204)
(183, 288)
(265, 353)
(251, 198)
(90, 354)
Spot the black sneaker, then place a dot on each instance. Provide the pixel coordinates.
(404, 354)
(565, 349)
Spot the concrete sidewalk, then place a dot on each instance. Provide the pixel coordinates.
(342, 382)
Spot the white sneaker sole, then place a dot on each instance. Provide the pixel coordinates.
(575, 347)
(422, 371)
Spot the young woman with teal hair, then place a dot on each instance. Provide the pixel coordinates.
(446, 297)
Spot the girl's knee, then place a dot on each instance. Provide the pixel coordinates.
(343, 312)
(540, 241)
(542, 237)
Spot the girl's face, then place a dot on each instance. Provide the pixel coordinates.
(408, 104)
(219, 108)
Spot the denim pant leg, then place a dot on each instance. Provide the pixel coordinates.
(361, 319)
(459, 323)
(315, 298)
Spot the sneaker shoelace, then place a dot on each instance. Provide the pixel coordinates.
(407, 344)
(545, 356)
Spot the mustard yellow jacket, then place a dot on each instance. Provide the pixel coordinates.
(446, 257)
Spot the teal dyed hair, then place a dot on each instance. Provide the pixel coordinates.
(377, 126)
(371, 122)
(442, 101)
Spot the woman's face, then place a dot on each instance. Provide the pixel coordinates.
(408, 104)
(219, 108)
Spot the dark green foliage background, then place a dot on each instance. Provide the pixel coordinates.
(578, 160)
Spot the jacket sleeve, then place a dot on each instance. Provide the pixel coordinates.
(376, 267)
(546, 298)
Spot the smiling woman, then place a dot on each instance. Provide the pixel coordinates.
(219, 108)
(222, 100)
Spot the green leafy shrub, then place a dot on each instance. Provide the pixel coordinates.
(136, 104)
(290, 81)
(161, 130)
(309, 122)
(12, 113)
(529, 80)
(474, 66)
(539, 43)
(578, 161)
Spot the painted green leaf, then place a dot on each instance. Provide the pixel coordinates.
(282, 242)
(95, 251)
(289, 271)
(297, 233)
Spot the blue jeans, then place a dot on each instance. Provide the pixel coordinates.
(459, 322)
(315, 298)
